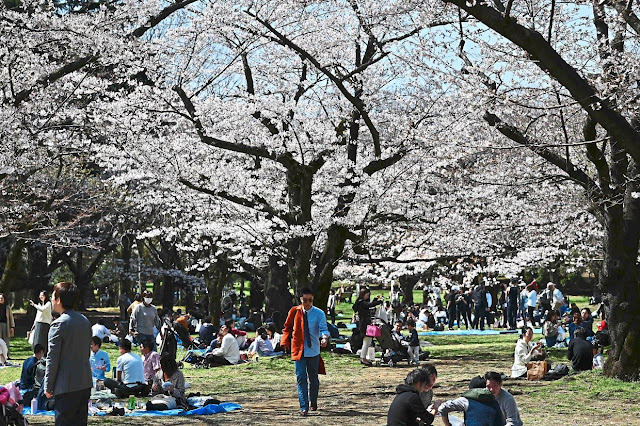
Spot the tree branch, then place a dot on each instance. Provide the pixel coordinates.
(550, 61)
(285, 159)
(257, 203)
(576, 174)
(357, 103)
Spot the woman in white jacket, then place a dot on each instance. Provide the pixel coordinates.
(525, 352)
(42, 322)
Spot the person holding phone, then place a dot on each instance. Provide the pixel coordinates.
(525, 352)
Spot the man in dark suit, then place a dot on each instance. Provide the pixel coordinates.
(68, 374)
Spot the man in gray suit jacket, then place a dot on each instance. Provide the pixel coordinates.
(68, 374)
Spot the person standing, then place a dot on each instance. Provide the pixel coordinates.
(68, 373)
(363, 306)
(557, 299)
(512, 304)
(479, 306)
(7, 325)
(451, 306)
(42, 323)
(331, 306)
(143, 318)
(305, 332)
(532, 300)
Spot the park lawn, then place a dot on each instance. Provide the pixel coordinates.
(352, 394)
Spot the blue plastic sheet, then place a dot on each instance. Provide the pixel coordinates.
(223, 407)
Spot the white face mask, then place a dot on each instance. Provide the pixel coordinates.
(148, 300)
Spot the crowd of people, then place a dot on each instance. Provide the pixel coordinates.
(305, 331)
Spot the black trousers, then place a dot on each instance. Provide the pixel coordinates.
(72, 408)
(478, 318)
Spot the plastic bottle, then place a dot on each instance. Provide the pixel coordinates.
(132, 402)
(34, 405)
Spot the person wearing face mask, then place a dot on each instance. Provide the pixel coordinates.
(143, 318)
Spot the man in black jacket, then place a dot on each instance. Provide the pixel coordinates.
(580, 351)
(407, 407)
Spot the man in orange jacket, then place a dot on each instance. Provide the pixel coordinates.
(305, 332)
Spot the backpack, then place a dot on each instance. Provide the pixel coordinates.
(544, 298)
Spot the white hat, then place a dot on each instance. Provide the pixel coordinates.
(550, 284)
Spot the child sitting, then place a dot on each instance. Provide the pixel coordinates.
(598, 359)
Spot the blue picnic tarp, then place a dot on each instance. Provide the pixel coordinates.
(223, 407)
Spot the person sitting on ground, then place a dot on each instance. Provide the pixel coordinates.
(525, 352)
(27, 377)
(102, 332)
(478, 403)
(550, 328)
(168, 381)
(414, 343)
(274, 336)
(98, 359)
(587, 321)
(505, 400)
(129, 372)
(228, 353)
(407, 408)
(150, 360)
(119, 329)
(207, 331)
(261, 345)
(580, 351)
(4, 355)
(576, 323)
(598, 359)
(240, 335)
(440, 316)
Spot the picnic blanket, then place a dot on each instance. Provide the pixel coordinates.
(472, 332)
(223, 407)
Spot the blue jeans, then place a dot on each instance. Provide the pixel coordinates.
(307, 390)
(142, 337)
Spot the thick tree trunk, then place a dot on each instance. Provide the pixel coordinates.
(620, 288)
(278, 297)
(216, 278)
(300, 248)
(256, 294)
(126, 284)
(12, 266)
(189, 299)
(333, 249)
(168, 290)
(407, 282)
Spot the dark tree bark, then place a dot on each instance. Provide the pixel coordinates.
(277, 294)
(216, 277)
(83, 272)
(617, 175)
(126, 252)
(407, 283)
(12, 266)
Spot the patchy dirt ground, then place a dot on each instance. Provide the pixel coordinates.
(363, 398)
